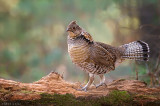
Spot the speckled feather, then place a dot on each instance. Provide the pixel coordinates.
(93, 57)
(99, 58)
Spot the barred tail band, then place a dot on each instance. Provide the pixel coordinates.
(137, 50)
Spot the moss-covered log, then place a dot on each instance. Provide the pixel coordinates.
(52, 89)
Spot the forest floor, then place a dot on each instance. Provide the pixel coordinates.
(53, 90)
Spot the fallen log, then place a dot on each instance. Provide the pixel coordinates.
(52, 89)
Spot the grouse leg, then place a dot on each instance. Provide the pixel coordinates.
(91, 79)
(102, 81)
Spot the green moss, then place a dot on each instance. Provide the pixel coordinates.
(3, 90)
(26, 92)
(114, 98)
(122, 79)
(59, 100)
(153, 96)
(118, 98)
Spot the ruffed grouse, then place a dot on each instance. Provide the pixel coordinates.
(97, 58)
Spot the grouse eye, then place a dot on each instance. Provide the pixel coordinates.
(74, 27)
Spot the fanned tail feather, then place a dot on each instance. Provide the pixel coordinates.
(137, 50)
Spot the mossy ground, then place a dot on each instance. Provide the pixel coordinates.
(114, 98)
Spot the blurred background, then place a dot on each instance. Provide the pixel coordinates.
(33, 39)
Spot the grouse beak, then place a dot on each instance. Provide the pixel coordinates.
(68, 30)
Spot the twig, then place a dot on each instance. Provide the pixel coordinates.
(136, 71)
(157, 70)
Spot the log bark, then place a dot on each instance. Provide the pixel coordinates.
(52, 85)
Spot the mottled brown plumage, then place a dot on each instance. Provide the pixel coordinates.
(98, 58)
